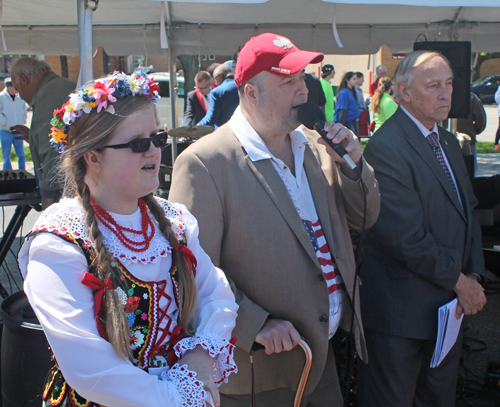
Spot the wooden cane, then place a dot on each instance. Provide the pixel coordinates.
(305, 373)
(303, 378)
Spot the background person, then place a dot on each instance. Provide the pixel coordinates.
(473, 125)
(359, 92)
(327, 74)
(44, 91)
(223, 99)
(198, 100)
(117, 277)
(315, 92)
(381, 72)
(497, 135)
(346, 107)
(364, 117)
(275, 207)
(425, 248)
(13, 112)
(383, 105)
(210, 70)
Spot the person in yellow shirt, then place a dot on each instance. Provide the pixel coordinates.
(383, 105)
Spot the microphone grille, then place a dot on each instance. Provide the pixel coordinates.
(309, 114)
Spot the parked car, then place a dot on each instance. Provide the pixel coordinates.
(485, 88)
(163, 104)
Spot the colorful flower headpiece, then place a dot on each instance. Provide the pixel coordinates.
(100, 96)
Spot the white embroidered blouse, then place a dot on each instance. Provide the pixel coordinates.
(53, 270)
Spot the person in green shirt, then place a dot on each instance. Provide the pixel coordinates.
(383, 105)
(327, 74)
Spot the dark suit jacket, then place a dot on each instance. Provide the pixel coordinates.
(316, 94)
(224, 100)
(423, 238)
(194, 110)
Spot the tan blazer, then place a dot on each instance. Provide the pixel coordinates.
(251, 230)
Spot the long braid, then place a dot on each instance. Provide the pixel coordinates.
(90, 132)
(116, 323)
(188, 292)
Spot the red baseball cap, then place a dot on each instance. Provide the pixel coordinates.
(272, 53)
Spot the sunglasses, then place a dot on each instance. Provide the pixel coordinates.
(141, 145)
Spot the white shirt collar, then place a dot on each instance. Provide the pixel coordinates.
(424, 130)
(253, 143)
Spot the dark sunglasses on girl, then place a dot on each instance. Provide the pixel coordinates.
(141, 145)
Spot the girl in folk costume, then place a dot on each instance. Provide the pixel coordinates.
(134, 311)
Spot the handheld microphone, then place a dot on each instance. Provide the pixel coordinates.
(313, 118)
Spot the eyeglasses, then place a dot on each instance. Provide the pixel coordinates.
(141, 145)
(209, 85)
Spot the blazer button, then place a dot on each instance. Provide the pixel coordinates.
(321, 277)
(323, 319)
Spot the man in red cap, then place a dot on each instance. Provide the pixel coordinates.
(275, 207)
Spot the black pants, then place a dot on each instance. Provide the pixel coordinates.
(398, 373)
(497, 136)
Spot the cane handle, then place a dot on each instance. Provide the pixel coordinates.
(305, 373)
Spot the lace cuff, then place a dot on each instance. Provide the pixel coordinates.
(220, 349)
(187, 389)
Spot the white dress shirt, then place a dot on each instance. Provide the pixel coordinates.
(300, 194)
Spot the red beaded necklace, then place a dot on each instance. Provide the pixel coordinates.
(146, 222)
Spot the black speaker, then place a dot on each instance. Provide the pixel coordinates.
(459, 55)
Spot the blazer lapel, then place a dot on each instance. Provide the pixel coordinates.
(423, 148)
(274, 187)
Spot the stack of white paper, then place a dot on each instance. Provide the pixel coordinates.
(448, 329)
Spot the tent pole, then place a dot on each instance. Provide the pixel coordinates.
(85, 8)
(173, 78)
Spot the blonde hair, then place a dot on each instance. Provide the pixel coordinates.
(91, 132)
(384, 85)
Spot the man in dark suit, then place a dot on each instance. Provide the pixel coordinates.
(198, 100)
(224, 98)
(425, 248)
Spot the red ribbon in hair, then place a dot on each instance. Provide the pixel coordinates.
(99, 300)
(177, 335)
(188, 256)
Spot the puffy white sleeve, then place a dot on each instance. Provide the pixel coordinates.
(65, 308)
(216, 315)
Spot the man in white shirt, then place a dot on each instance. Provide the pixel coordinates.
(275, 206)
(425, 248)
(13, 112)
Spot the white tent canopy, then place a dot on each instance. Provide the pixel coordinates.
(127, 27)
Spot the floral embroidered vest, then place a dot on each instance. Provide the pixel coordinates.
(147, 339)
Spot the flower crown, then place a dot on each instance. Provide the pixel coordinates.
(100, 96)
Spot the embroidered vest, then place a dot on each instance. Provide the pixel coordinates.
(140, 300)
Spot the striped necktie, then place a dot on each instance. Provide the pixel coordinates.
(433, 140)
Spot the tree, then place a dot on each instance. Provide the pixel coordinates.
(483, 56)
(190, 66)
(64, 66)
